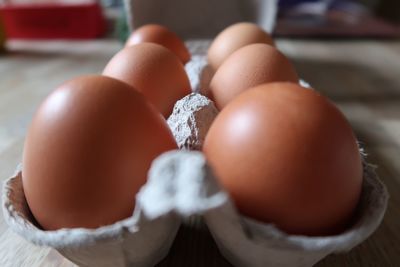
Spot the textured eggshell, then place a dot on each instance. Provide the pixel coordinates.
(87, 153)
(248, 67)
(154, 33)
(287, 156)
(153, 70)
(234, 37)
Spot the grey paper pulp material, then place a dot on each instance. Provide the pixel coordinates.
(191, 119)
(185, 183)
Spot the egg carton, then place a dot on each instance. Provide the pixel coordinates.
(181, 184)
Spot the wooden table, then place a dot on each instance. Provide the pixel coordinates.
(362, 77)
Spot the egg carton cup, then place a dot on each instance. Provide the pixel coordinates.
(246, 242)
(136, 241)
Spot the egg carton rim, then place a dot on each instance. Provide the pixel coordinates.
(79, 237)
(72, 237)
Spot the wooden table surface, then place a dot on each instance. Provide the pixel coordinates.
(362, 77)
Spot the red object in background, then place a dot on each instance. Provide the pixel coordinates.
(53, 21)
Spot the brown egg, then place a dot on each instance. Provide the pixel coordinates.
(287, 156)
(154, 33)
(249, 66)
(88, 151)
(234, 37)
(153, 70)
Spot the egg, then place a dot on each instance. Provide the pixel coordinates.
(153, 70)
(87, 153)
(234, 37)
(249, 66)
(287, 156)
(154, 33)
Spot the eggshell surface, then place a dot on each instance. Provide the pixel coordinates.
(153, 70)
(87, 153)
(287, 156)
(249, 66)
(233, 38)
(154, 33)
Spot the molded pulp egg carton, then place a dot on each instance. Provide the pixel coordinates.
(181, 184)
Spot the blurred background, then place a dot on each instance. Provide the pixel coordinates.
(86, 19)
(339, 18)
